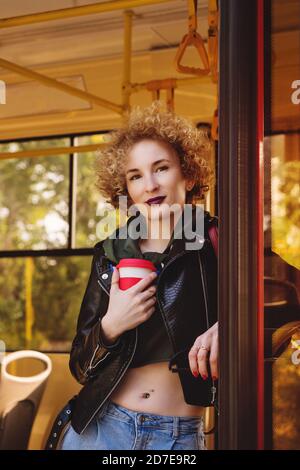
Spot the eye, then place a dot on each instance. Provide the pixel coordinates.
(133, 177)
(162, 168)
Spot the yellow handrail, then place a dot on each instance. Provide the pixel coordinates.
(192, 38)
(213, 23)
(168, 84)
(52, 83)
(42, 152)
(29, 310)
(73, 12)
(215, 126)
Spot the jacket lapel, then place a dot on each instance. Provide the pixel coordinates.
(105, 267)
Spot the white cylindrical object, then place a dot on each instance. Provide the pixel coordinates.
(23, 355)
(13, 388)
(134, 272)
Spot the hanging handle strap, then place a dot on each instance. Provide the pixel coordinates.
(192, 38)
(212, 42)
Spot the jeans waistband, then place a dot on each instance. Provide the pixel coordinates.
(177, 424)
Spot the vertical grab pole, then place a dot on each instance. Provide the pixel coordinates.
(260, 233)
(126, 92)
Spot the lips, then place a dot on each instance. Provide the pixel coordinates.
(156, 200)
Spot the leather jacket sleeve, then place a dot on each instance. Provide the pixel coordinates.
(89, 353)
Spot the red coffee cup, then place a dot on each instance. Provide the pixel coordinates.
(132, 270)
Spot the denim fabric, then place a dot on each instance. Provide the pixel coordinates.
(119, 428)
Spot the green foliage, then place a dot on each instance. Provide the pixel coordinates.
(58, 286)
(34, 211)
(286, 210)
(31, 189)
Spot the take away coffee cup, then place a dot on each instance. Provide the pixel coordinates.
(132, 270)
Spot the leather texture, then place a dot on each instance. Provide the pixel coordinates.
(187, 297)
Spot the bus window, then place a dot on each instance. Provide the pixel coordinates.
(282, 229)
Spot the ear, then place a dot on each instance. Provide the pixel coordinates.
(190, 184)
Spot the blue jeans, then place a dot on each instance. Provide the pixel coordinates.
(119, 428)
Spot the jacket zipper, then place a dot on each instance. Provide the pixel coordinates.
(204, 290)
(90, 367)
(103, 287)
(134, 349)
(213, 388)
(121, 376)
(91, 361)
(158, 300)
(159, 303)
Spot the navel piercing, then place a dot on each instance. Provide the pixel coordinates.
(146, 394)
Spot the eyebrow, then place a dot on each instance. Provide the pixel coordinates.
(154, 163)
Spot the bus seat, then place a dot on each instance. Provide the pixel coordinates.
(19, 400)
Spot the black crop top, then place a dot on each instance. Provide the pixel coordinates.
(153, 343)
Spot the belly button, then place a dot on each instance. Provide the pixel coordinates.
(146, 394)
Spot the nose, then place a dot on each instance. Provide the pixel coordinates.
(151, 183)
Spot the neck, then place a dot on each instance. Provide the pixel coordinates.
(159, 231)
(157, 246)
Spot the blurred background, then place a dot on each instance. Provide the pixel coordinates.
(71, 70)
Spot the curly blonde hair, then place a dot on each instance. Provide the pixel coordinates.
(191, 145)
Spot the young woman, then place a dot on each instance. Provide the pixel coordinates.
(125, 340)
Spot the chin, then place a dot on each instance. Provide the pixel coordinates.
(161, 211)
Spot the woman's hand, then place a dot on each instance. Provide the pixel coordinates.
(128, 308)
(205, 345)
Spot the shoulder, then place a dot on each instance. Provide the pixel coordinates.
(211, 219)
(211, 231)
(98, 249)
(99, 245)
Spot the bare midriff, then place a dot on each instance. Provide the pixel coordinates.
(153, 388)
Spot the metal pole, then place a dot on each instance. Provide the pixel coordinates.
(126, 90)
(51, 151)
(240, 221)
(29, 310)
(52, 83)
(76, 11)
(178, 82)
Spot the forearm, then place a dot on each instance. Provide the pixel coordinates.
(92, 349)
(108, 332)
(89, 352)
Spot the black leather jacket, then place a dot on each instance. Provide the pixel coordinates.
(187, 298)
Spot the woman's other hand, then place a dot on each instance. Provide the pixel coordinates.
(204, 349)
(128, 308)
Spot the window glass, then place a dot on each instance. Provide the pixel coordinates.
(282, 231)
(39, 305)
(91, 207)
(34, 198)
